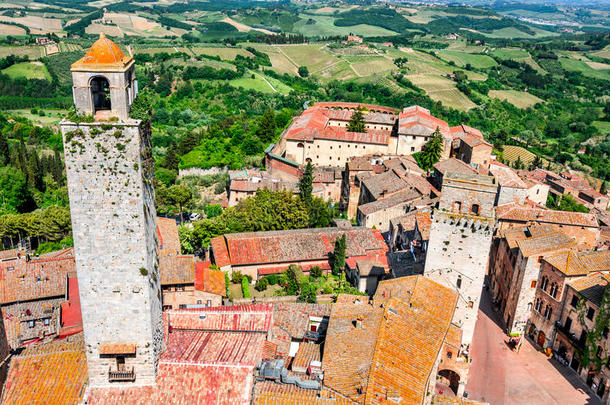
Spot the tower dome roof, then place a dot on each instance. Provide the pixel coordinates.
(103, 55)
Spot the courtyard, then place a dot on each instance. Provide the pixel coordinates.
(502, 377)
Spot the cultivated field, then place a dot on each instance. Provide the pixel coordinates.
(512, 153)
(28, 70)
(325, 26)
(33, 52)
(6, 29)
(313, 56)
(36, 24)
(584, 68)
(519, 99)
(443, 90)
(604, 53)
(464, 58)
(224, 53)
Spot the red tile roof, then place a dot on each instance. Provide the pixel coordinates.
(213, 348)
(177, 269)
(238, 318)
(220, 251)
(208, 280)
(506, 176)
(21, 281)
(184, 384)
(169, 241)
(519, 213)
(414, 116)
(53, 373)
(453, 165)
(71, 316)
(271, 393)
(293, 246)
(117, 348)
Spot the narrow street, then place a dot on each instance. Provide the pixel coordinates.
(502, 377)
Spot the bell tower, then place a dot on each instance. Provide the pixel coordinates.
(104, 82)
(109, 168)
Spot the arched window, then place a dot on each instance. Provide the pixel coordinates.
(544, 283)
(538, 305)
(300, 145)
(100, 93)
(553, 291)
(459, 282)
(457, 206)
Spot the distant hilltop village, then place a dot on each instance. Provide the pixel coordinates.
(126, 318)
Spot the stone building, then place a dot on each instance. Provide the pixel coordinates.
(511, 189)
(187, 283)
(260, 253)
(537, 191)
(109, 170)
(579, 317)
(319, 135)
(451, 165)
(556, 272)
(581, 226)
(515, 267)
(470, 147)
(460, 240)
(31, 297)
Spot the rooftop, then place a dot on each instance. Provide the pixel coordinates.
(177, 269)
(453, 165)
(506, 176)
(55, 373)
(294, 245)
(208, 280)
(103, 55)
(592, 287)
(579, 264)
(550, 242)
(520, 213)
(393, 200)
(169, 241)
(238, 318)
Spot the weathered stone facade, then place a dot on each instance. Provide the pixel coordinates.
(109, 170)
(460, 240)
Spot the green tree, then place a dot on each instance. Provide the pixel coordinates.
(171, 157)
(13, 190)
(308, 293)
(303, 71)
(166, 176)
(180, 195)
(356, 122)
(5, 153)
(188, 142)
(432, 151)
(306, 185)
(603, 189)
(267, 126)
(339, 255)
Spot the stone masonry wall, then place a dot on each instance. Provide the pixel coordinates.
(459, 248)
(109, 170)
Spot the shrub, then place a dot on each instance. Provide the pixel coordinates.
(236, 277)
(315, 271)
(272, 279)
(245, 287)
(143, 271)
(249, 277)
(261, 285)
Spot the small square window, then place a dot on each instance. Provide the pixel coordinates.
(574, 301)
(46, 321)
(31, 324)
(533, 284)
(590, 313)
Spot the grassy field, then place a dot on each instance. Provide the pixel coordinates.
(51, 117)
(28, 70)
(604, 53)
(325, 26)
(338, 71)
(602, 126)
(313, 56)
(258, 83)
(223, 52)
(463, 58)
(34, 52)
(441, 89)
(510, 53)
(584, 68)
(517, 98)
(368, 65)
(7, 29)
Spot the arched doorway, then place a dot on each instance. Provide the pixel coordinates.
(100, 92)
(541, 339)
(450, 378)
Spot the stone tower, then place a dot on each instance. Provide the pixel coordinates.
(109, 170)
(460, 241)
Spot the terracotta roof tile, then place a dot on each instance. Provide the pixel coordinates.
(54, 373)
(455, 166)
(177, 269)
(298, 245)
(506, 176)
(399, 197)
(103, 54)
(208, 280)
(169, 241)
(271, 393)
(21, 281)
(306, 353)
(592, 287)
(117, 348)
(238, 318)
(550, 242)
(220, 251)
(576, 264)
(184, 384)
(519, 213)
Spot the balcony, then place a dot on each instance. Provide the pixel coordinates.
(578, 343)
(121, 375)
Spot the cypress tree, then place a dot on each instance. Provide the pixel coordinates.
(432, 150)
(267, 126)
(171, 157)
(5, 153)
(306, 185)
(339, 255)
